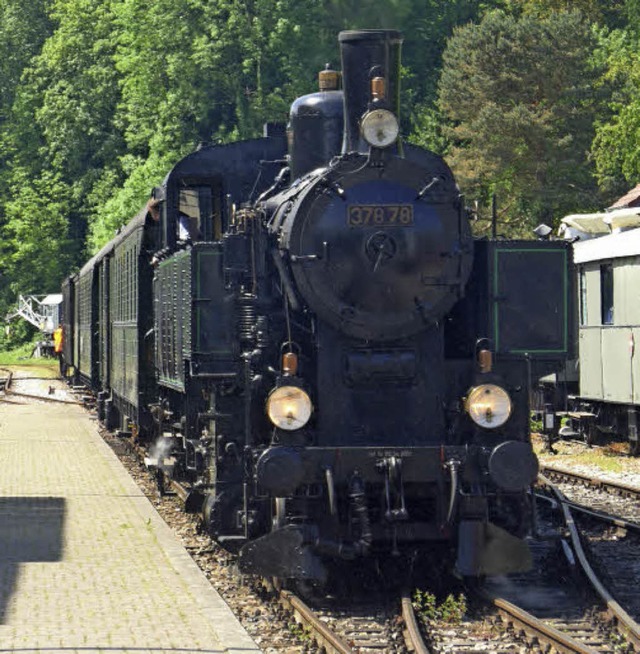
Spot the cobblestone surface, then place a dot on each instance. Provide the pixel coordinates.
(86, 563)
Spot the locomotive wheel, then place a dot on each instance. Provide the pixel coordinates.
(219, 512)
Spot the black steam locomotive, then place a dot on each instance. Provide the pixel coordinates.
(318, 347)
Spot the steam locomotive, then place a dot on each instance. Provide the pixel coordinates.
(318, 347)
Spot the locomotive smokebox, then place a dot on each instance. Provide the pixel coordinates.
(368, 54)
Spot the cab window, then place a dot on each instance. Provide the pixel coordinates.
(200, 208)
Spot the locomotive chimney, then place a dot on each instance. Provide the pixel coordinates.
(371, 79)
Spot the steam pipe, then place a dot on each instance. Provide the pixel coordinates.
(359, 502)
(287, 282)
(360, 547)
(453, 466)
(331, 491)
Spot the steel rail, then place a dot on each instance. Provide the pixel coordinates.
(625, 623)
(324, 636)
(9, 391)
(557, 640)
(589, 480)
(332, 643)
(44, 398)
(614, 520)
(5, 382)
(416, 642)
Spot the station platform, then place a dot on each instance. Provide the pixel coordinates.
(86, 563)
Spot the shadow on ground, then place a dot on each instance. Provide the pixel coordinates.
(31, 530)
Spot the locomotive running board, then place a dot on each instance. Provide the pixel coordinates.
(282, 554)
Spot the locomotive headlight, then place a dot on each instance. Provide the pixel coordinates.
(289, 407)
(380, 128)
(488, 405)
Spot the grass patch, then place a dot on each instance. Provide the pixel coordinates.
(450, 611)
(611, 457)
(33, 371)
(20, 359)
(600, 459)
(301, 632)
(22, 356)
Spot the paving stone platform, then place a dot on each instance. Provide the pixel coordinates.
(86, 563)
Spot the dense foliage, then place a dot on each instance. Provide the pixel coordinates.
(534, 100)
(521, 101)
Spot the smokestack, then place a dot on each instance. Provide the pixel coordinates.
(366, 55)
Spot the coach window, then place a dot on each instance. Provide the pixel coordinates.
(606, 293)
(582, 283)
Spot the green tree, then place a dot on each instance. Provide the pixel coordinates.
(615, 150)
(521, 97)
(37, 227)
(199, 72)
(605, 12)
(99, 98)
(427, 30)
(60, 139)
(23, 30)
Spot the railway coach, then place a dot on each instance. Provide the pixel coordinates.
(605, 396)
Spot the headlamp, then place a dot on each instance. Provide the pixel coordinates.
(488, 405)
(289, 407)
(380, 128)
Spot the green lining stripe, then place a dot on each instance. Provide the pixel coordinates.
(536, 351)
(201, 254)
(496, 338)
(565, 301)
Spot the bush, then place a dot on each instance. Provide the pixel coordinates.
(16, 335)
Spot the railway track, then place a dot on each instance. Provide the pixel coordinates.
(609, 518)
(602, 500)
(363, 628)
(566, 603)
(613, 612)
(9, 387)
(553, 617)
(540, 611)
(614, 488)
(360, 627)
(43, 398)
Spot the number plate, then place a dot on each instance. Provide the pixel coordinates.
(380, 215)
